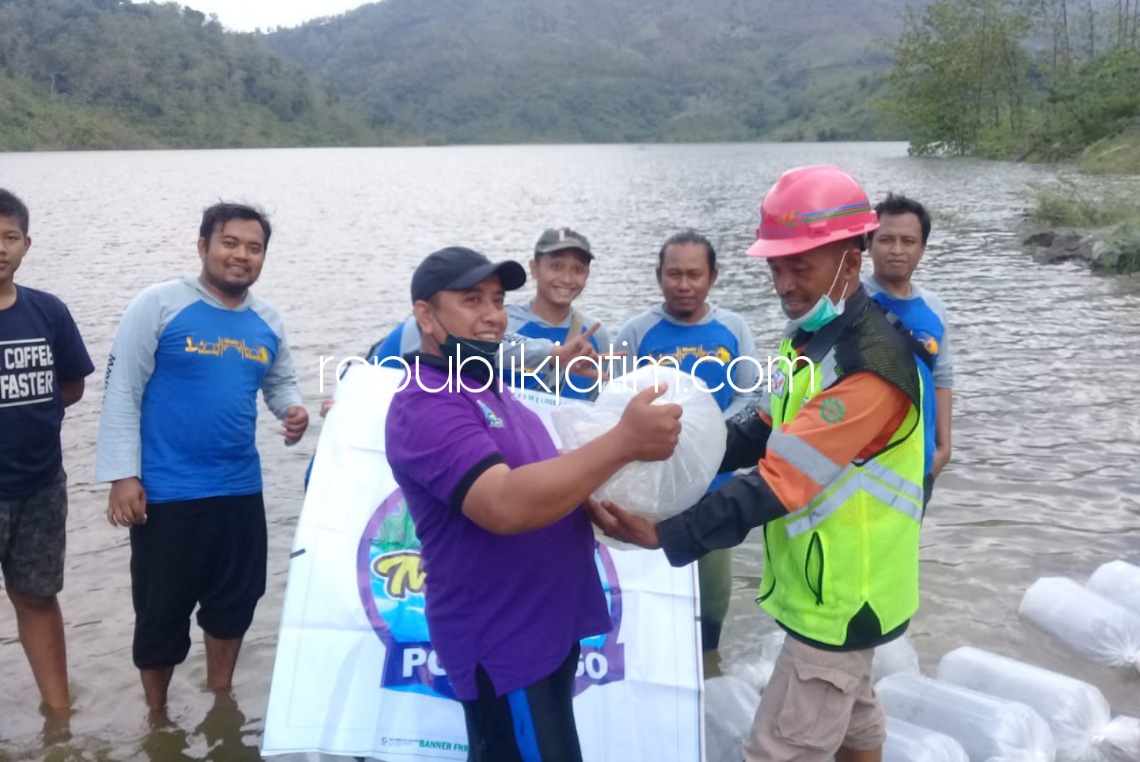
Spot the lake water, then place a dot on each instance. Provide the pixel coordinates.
(1044, 478)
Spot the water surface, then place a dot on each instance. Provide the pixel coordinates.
(1047, 418)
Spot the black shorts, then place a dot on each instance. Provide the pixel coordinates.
(33, 539)
(532, 724)
(210, 552)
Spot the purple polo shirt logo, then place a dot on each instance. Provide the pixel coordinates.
(392, 589)
(494, 421)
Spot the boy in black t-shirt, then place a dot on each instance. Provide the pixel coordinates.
(43, 364)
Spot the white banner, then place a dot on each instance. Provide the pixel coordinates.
(355, 673)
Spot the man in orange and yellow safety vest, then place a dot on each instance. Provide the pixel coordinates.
(839, 484)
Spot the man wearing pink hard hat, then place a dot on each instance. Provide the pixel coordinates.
(838, 488)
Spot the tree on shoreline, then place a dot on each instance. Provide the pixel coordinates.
(1040, 79)
(961, 75)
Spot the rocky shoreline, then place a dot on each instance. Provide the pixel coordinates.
(1114, 250)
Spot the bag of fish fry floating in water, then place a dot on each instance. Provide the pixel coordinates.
(730, 706)
(664, 488)
(987, 727)
(1118, 581)
(1076, 712)
(756, 665)
(894, 657)
(912, 743)
(1120, 740)
(1088, 623)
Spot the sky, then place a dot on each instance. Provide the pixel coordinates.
(247, 15)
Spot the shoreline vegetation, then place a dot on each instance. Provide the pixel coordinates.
(1100, 229)
(1048, 81)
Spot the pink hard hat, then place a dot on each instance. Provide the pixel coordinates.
(809, 207)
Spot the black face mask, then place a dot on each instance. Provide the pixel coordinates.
(468, 348)
(454, 346)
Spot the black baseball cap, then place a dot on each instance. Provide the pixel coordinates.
(456, 268)
(560, 239)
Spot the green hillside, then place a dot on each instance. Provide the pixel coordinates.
(93, 74)
(494, 71)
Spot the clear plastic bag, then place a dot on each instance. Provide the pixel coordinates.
(987, 727)
(1088, 623)
(1075, 711)
(895, 657)
(660, 489)
(1119, 741)
(756, 666)
(730, 706)
(911, 743)
(1119, 582)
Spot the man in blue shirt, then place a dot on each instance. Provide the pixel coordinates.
(704, 340)
(896, 249)
(43, 364)
(177, 441)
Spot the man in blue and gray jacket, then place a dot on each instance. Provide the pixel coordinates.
(560, 269)
(177, 442)
(704, 340)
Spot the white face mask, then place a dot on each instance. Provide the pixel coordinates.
(824, 310)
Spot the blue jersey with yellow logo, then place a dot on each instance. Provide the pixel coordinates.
(717, 339)
(180, 407)
(709, 346)
(923, 315)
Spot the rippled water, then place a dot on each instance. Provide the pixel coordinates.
(1044, 478)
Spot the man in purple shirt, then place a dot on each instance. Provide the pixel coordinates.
(505, 541)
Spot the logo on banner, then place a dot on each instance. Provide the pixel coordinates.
(392, 589)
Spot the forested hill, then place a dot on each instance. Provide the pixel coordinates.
(112, 74)
(608, 70)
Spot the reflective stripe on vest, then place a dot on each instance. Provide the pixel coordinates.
(809, 461)
(823, 471)
(897, 483)
(806, 519)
